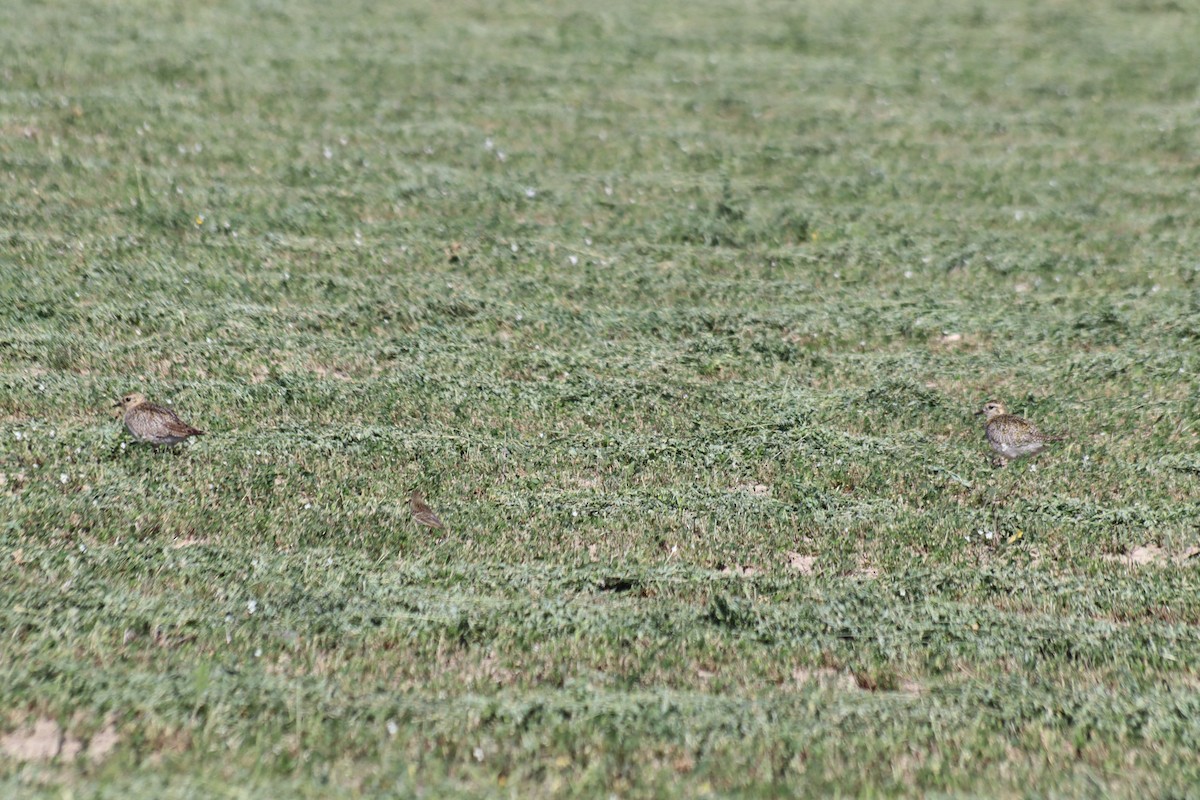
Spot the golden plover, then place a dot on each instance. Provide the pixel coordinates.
(1010, 436)
(423, 514)
(153, 424)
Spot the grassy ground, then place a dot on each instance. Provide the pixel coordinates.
(677, 315)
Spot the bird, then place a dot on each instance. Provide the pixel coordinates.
(152, 423)
(423, 514)
(1011, 436)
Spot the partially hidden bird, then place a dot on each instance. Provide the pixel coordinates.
(422, 513)
(152, 423)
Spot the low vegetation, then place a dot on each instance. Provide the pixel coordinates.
(677, 316)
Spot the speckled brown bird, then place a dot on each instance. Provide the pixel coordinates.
(1011, 436)
(423, 514)
(152, 423)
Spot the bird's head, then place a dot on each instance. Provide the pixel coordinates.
(992, 409)
(129, 401)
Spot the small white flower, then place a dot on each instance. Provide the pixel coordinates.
(989, 535)
(63, 478)
(514, 247)
(530, 192)
(327, 152)
(122, 445)
(574, 513)
(520, 317)
(488, 144)
(573, 260)
(251, 606)
(308, 505)
(908, 273)
(258, 652)
(478, 753)
(392, 727)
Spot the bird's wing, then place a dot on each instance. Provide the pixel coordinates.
(170, 421)
(1025, 433)
(427, 517)
(422, 513)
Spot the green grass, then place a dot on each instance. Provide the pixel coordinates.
(677, 315)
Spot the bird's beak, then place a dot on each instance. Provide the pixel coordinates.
(117, 404)
(977, 413)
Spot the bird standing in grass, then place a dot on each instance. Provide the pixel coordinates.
(423, 514)
(153, 424)
(1011, 436)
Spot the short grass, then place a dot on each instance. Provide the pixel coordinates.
(677, 313)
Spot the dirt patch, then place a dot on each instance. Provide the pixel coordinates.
(801, 563)
(827, 677)
(40, 744)
(103, 743)
(1151, 554)
(46, 741)
(586, 482)
(189, 541)
(337, 373)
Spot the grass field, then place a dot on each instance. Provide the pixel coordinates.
(677, 314)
